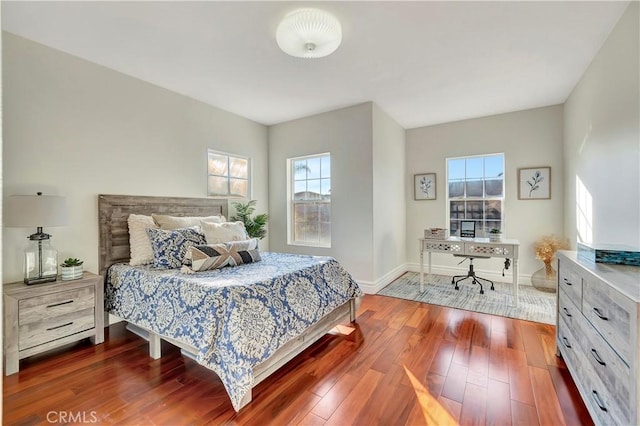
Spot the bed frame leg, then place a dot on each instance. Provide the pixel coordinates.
(246, 399)
(353, 308)
(154, 346)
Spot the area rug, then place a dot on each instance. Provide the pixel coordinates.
(533, 304)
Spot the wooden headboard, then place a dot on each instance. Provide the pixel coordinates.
(114, 210)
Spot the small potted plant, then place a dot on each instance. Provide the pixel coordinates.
(495, 235)
(71, 269)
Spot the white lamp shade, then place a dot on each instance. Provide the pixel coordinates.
(309, 33)
(35, 211)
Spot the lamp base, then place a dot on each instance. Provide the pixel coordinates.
(40, 280)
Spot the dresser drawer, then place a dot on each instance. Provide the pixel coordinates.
(601, 401)
(50, 329)
(570, 281)
(602, 404)
(567, 343)
(611, 370)
(52, 305)
(567, 310)
(611, 314)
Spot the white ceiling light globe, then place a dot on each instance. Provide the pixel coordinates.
(309, 33)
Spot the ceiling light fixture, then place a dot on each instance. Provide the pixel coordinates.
(309, 33)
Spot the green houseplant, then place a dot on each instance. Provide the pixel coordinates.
(255, 225)
(495, 234)
(71, 269)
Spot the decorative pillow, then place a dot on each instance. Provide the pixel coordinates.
(214, 256)
(139, 244)
(217, 233)
(175, 222)
(170, 246)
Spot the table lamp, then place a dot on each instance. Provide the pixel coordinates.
(40, 258)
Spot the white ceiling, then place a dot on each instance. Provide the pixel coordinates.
(422, 62)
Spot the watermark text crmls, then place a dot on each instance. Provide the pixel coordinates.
(72, 417)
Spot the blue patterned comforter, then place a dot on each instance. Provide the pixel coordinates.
(236, 316)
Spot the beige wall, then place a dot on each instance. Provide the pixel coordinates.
(389, 204)
(346, 134)
(602, 143)
(1, 143)
(528, 138)
(77, 129)
(367, 196)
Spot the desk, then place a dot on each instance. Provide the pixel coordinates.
(469, 247)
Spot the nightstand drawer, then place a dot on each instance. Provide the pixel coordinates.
(49, 329)
(52, 305)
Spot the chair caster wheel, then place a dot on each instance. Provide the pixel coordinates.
(457, 288)
(481, 291)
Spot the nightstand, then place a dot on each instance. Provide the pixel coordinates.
(40, 317)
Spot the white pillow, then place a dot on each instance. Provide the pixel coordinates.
(175, 222)
(139, 243)
(216, 233)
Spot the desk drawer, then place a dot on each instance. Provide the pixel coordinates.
(52, 305)
(570, 281)
(453, 247)
(493, 250)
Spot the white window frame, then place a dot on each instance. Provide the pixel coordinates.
(229, 156)
(484, 228)
(291, 203)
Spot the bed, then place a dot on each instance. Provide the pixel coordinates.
(243, 322)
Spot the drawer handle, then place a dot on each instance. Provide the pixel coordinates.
(60, 304)
(596, 397)
(566, 312)
(566, 281)
(600, 314)
(566, 342)
(60, 326)
(596, 356)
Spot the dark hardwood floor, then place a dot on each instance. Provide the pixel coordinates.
(402, 363)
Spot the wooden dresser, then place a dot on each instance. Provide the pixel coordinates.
(40, 317)
(597, 335)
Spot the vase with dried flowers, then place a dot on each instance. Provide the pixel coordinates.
(546, 248)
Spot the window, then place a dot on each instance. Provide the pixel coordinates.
(475, 191)
(228, 175)
(310, 200)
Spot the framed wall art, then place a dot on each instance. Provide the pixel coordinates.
(534, 183)
(424, 186)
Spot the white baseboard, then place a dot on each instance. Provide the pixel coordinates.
(374, 287)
